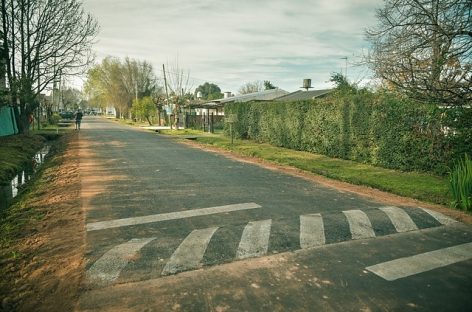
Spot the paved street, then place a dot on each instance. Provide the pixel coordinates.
(162, 213)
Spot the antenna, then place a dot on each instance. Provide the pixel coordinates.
(345, 70)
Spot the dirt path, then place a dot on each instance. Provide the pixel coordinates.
(48, 274)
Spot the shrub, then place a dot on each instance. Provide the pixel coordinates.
(54, 119)
(460, 182)
(374, 128)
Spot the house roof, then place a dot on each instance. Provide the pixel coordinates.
(304, 95)
(265, 95)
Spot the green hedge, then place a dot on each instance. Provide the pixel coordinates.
(378, 129)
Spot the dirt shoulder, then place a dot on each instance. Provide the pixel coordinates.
(42, 265)
(365, 191)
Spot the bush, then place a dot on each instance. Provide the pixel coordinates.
(358, 125)
(460, 183)
(54, 119)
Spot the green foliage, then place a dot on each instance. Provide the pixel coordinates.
(460, 184)
(268, 85)
(377, 129)
(144, 108)
(54, 119)
(340, 81)
(15, 151)
(210, 91)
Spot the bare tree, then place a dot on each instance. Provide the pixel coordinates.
(178, 79)
(180, 87)
(424, 49)
(251, 87)
(43, 39)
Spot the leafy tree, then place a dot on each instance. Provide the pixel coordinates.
(251, 87)
(117, 83)
(268, 85)
(71, 98)
(144, 108)
(424, 48)
(340, 81)
(210, 91)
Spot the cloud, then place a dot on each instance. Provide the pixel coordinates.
(232, 42)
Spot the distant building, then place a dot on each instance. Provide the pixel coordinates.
(217, 106)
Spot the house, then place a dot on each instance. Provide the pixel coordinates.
(217, 106)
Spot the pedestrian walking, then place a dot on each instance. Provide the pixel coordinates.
(78, 119)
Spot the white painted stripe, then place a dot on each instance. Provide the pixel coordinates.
(359, 224)
(169, 216)
(254, 240)
(445, 220)
(404, 267)
(400, 219)
(311, 230)
(190, 252)
(107, 269)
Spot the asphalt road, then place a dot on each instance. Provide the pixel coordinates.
(157, 208)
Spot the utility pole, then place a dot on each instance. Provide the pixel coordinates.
(167, 93)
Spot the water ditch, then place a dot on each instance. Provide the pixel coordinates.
(11, 190)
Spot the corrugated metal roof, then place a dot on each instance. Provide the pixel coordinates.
(303, 95)
(265, 95)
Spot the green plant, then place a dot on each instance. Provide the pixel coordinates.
(381, 129)
(460, 182)
(54, 119)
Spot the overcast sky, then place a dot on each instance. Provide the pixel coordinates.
(230, 43)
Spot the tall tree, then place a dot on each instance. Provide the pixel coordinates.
(178, 82)
(43, 39)
(210, 91)
(424, 48)
(117, 83)
(71, 98)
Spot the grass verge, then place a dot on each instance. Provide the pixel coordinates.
(15, 151)
(41, 240)
(183, 132)
(417, 185)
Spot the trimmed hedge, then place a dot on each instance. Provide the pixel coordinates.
(377, 129)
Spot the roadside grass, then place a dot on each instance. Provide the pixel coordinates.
(15, 151)
(418, 185)
(14, 218)
(182, 132)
